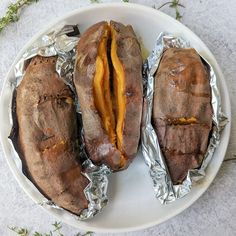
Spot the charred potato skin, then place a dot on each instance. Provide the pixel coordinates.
(98, 145)
(182, 111)
(47, 135)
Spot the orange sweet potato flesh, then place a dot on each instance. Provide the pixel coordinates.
(182, 111)
(47, 136)
(119, 87)
(108, 82)
(101, 85)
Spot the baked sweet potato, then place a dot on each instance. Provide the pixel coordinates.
(182, 111)
(47, 135)
(108, 81)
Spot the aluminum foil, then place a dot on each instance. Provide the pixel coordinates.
(165, 191)
(62, 42)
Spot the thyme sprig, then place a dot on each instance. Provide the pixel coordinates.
(19, 231)
(89, 233)
(12, 14)
(175, 4)
(56, 231)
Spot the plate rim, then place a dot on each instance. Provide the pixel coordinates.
(53, 23)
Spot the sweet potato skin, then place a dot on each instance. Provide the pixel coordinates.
(129, 54)
(98, 145)
(47, 135)
(182, 91)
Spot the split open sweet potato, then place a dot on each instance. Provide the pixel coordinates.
(108, 81)
(47, 135)
(182, 111)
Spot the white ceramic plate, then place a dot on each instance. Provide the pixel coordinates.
(132, 204)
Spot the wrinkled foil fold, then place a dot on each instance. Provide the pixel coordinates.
(61, 43)
(164, 190)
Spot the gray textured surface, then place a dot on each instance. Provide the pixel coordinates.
(215, 212)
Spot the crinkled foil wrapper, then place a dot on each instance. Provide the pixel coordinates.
(165, 191)
(62, 42)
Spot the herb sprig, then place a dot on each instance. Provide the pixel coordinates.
(12, 14)
(175, 4)
(56, 231)
(19, 231)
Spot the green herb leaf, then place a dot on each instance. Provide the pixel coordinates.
(178, 16)
(37, 234)
(57, 228)
(19, 231)
(89, 233)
